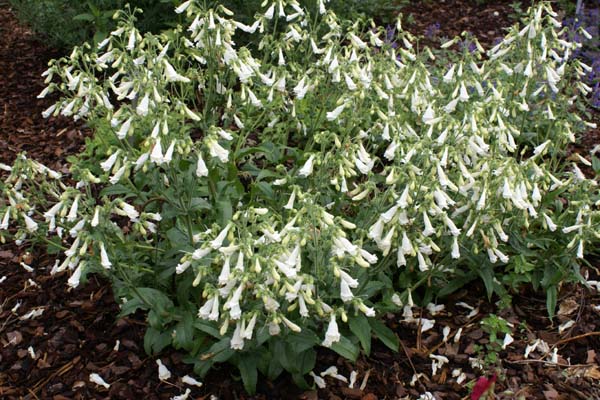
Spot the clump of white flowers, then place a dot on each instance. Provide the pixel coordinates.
(247, 195)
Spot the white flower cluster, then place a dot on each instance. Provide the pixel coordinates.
(336, 151)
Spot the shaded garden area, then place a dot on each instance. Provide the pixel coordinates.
(54, 336)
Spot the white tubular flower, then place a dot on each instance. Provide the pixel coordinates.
(237, 341)
(286, 269)
(506, 190)
(300, 89)
(169, 153)
(97, 379)
(357, 42)
(72, 216)
(139, 163)
(247, 333)
(307, 168)
(216, 150)
(5, 220)
(214, 312)
(376, 230)
(292, 326)
(30, 224)
(551, 225)
(49, 111)
(131, 41)
(183, 6)
(423, 266)
(370, 258)
(142, 107)
(404, 198)
(580, 249)
(163, 372)
(233, 304)
(171, 75)
(270, 12)
(130, 211)
(333, 115)
(290, 204)
(51, 213)
(569, 229)
(218, 241)
(385, 244)
(455, 248)
(539, 149)
(351, 282)
(429, 115)
(75, 277)
(225, 272)
(508, 339)
(303, 310)
(201, 169)
(333, 334)
(481, 201)
(122, 132)
(118, 175)
(320, 382)
(390, 152)
(104, 261)
(463, 95)
(429, 230)
(205, 310)
(345, 245)
(188, 380)
(449, 76)
(407, 247)
(345, 292)
(454, 231)
(349, 82)
(199, 254)
(503, 257)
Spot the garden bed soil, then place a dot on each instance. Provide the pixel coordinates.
(52, 355)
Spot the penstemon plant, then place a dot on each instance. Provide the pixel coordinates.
(260, 202)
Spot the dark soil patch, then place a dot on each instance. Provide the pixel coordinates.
(77, 332)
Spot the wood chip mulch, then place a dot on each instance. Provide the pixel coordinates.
(52, 355)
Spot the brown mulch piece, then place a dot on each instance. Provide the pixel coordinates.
(445, 19)
(51, 356)
(23, 58)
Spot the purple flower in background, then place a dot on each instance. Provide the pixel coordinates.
(432, 30)
(589, 53)
(467, 45)
(390, 36)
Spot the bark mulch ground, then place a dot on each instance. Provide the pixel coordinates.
(76, 332)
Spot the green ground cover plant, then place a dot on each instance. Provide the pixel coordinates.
(257, 203)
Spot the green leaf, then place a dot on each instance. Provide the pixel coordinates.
(184, 332)
(219, 352)
(371, 289)
(115, 190)
(302, 341)
(206, 327)
(198, 203)
(225, 211)
(359, 325)
(551, 295)
(87, 17)
(596, 164)
(385, 334)
(346, 349)
(155, 340)
(265, 188)
(486, 272)
(455, 284)
(306, 361)
(248, 370)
